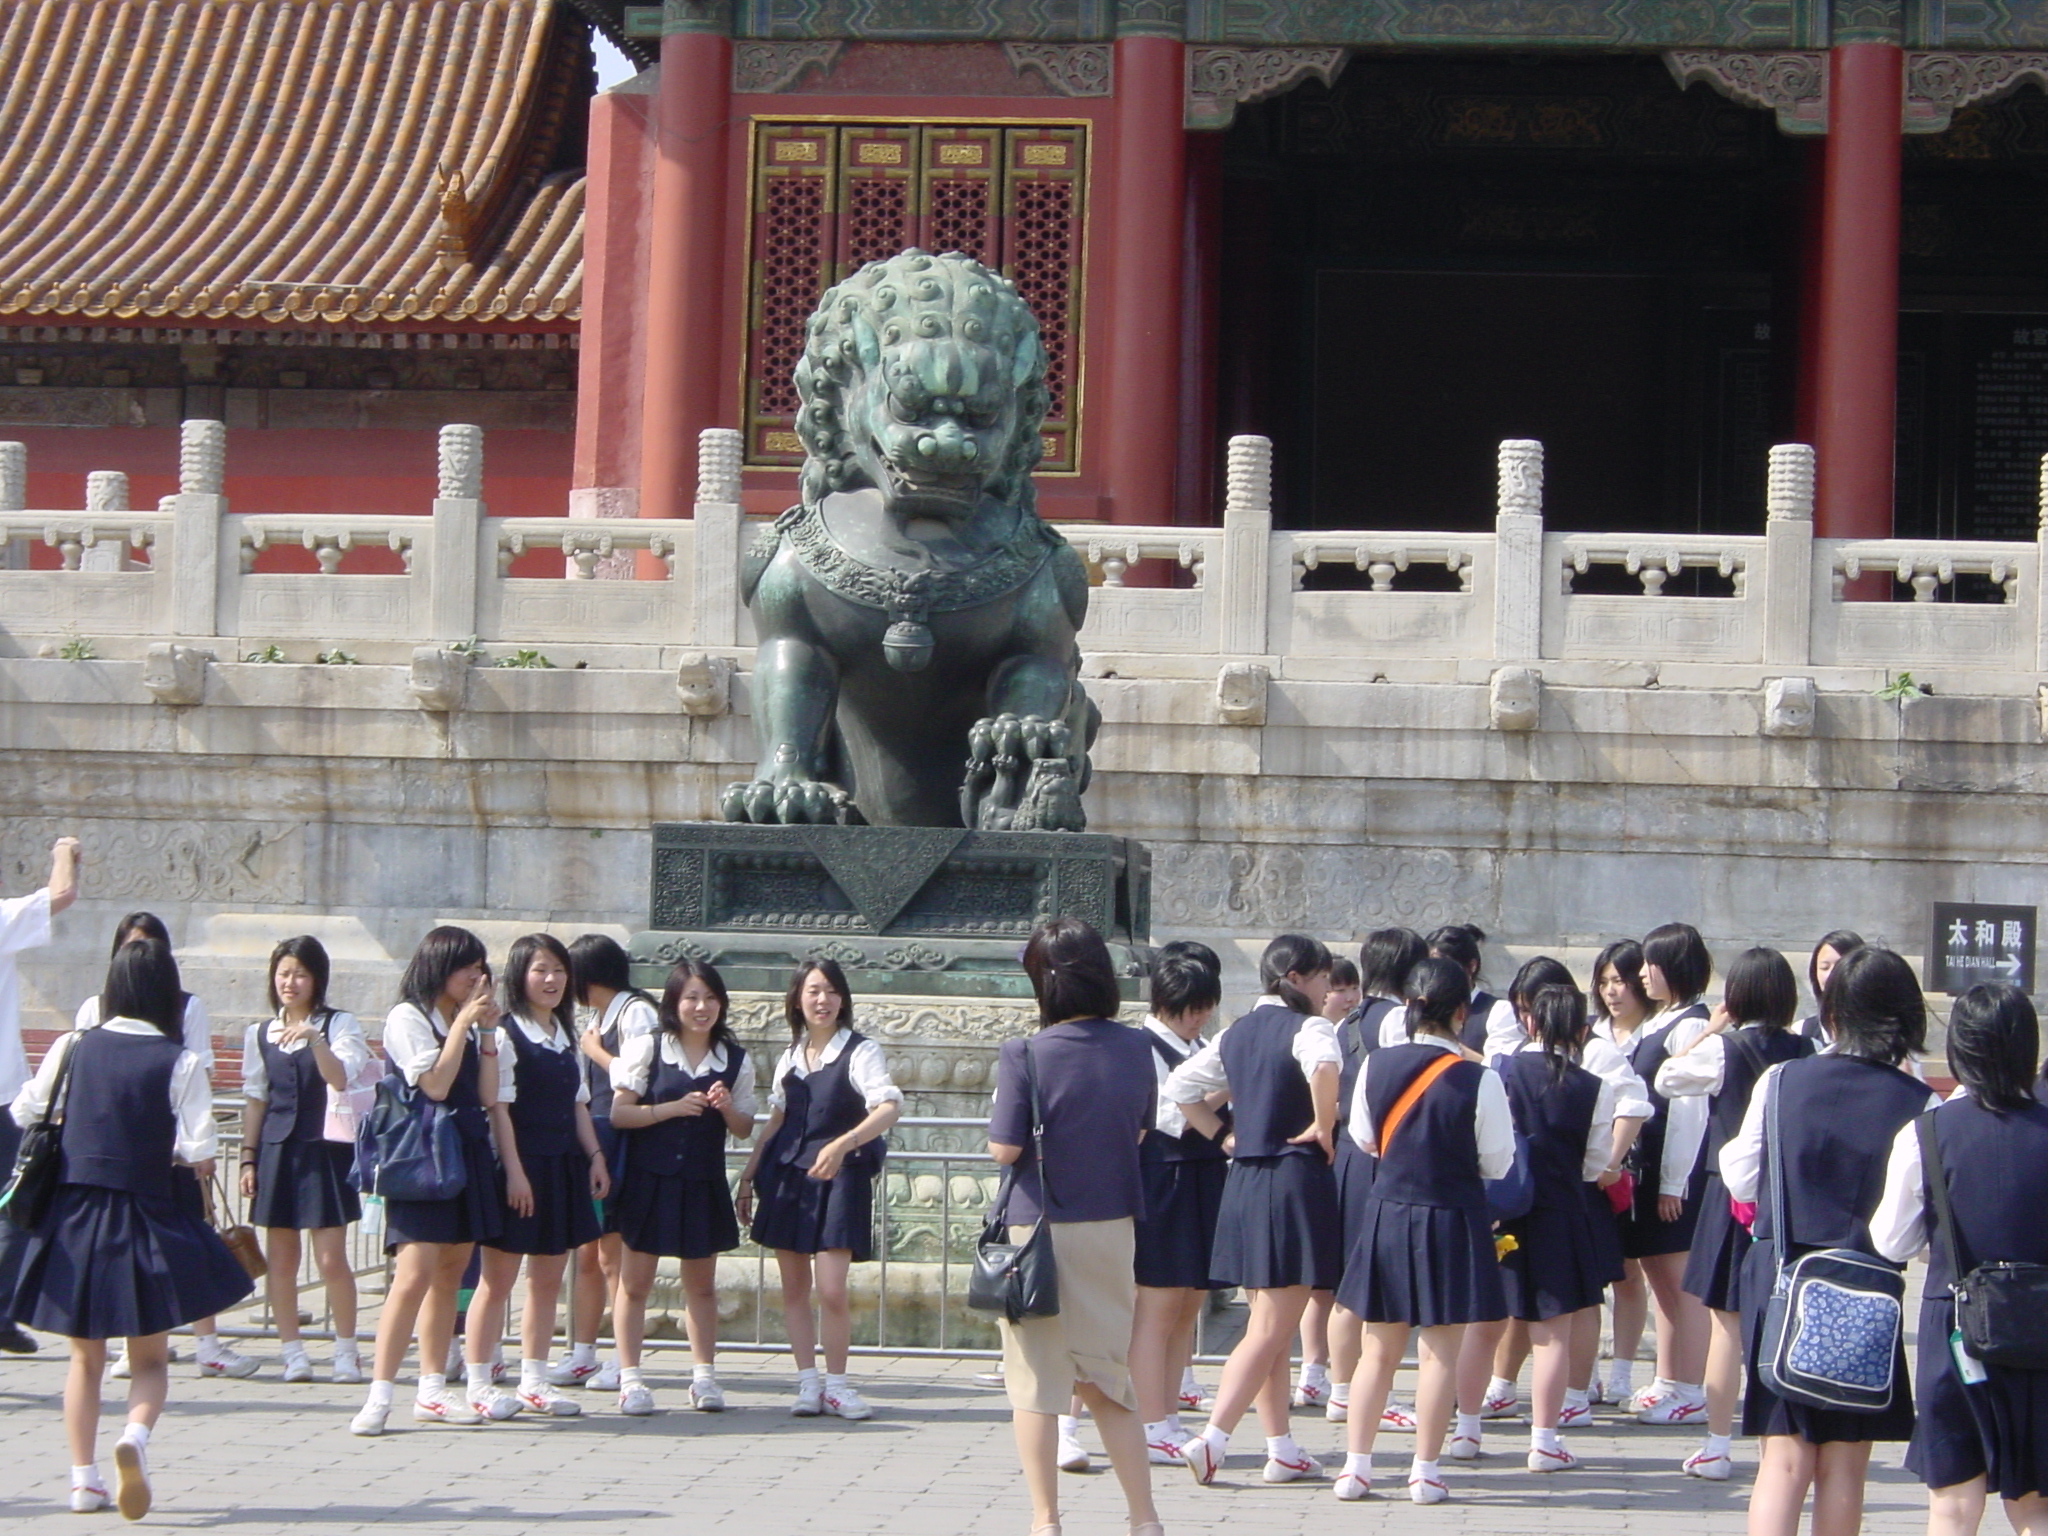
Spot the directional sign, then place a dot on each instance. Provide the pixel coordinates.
(1973, 944)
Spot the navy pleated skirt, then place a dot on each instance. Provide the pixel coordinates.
(1559, 1266)
(1355, 1171)
(677, 1217)
(800, 1214)
(477, 1215)
(107, 1264)
(1764, 1413)
(1606, 1234)
(1425, 1265)
(1996, 1430)
(564, 1216)
(304, 1185)
(1178, 1230)
(1278, 1225)
(612, 1143)
(1645, 1234)
(1720, 1244)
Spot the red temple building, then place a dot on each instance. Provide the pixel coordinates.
(1659, 236)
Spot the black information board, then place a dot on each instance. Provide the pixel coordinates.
(2005, 375)
(1974, 943)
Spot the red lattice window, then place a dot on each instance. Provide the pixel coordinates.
(829, 198)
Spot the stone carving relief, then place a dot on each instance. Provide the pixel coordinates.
(1788, 707)
(704, 683)
(1071, 69)
(1241, 693)
(766, 68)
(1514, 699)
(165, 861)
(1938, 83)
(1220, 80)
(1332, 889)
(462, 463)
(439, 680)
(202, 457)
(175, 674)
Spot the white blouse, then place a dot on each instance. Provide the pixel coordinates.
(1315, 1045)
(198, 1028)
(549, 1038)
(1504, 1032)
(1601, 1057)
(1168, 1120)
(1493, 1120)
(24, 924)
(1685, 1119)
(191, 1097)
(344, 1038)
(867, 1069)
(633, 1015)
(635, 1062)
(413, 1041)
(1743, 1157)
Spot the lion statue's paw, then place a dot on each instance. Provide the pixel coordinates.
(793, 802)
(1020, 777)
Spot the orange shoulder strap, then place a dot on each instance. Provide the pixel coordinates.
(1410, 1094)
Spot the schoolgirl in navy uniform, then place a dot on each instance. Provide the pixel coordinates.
(1820, 965)
(1278, 1233)
(1385, 961)
(437, 1039)
(1671, 1176)
(120, 1253)
(1490, 1025)
(604, 985)
(1184, 1173)
(554, 1171)
(295, 1179)
(678, 1094)
(1312, 1388)
(1424, 1258)
(1620, 1010)
(196, 1031)
(1746, 1036)
(1839, 1112)
(814, 1170)
(1990, 1434)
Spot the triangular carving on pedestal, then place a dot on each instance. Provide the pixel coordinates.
(881, 868)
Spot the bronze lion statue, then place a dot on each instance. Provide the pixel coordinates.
(917, 661)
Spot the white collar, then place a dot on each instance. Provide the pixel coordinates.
(795, 1054)
(1171, 1036)
(1438, 1041)
(123, 1025)
(672, 1051)
(546, 1037)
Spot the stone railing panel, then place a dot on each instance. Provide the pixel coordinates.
(328, 606)
(1654, 626)
(1176, 621)
(575, 608)
(101, 586)
(1927, 632)
(1352, 627)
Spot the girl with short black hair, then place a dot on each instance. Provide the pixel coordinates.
(1490, 1024)
(809, 1188)
(1830, 952)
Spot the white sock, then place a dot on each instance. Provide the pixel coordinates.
(583, 1354)
(701, 1374)
(1621, 1376)
(834, 1383)
(476, 1373)
(1219, 1440)
(1500, 1386)
(381, 1393)
(1282, 1448)
(295, 1349)
(87, 1477)
(1340, 1394)
(1358, 1464)
(1188, 1383)
(1069, 1425)
(431, 1383)
(1717, 1445)
(1663, 1384)
(1421, 1471)
(1180, 1432)
(1690, 1391)
(1468, 1426)
(1542, 1439)
(1574, 1398)
(345, 1349)
(807, 1375)
(135, 1434)
(629, 1376)
(533, 1375)
(1161, 1432)
(1315, 1375)
(208, 1345)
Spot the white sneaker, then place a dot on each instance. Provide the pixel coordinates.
(1559, 1460)
(1463, 1448)
(298, 1367)
(1397, 1418)
(1072, 1455)
(707, 1397)
(1336, 1412)
(1715, 1469)
(1163, 1453)
(87, 1501)
(497, 1372)
(1571, 1415)
(548, 1403)
(568, 1373)
(1350, 1487)
(131, 1480)
(117, 1368)
(1501, 1407)
(845, 1403)
(1311, 1392)
(1200, 1458)
(1280, 1469)
(606, 1379)
(1648, 1397)
(494, 1403)
(636, 1401)
(1427, 1490)
(446, 1406)
(369, 1419)
(810, 1399)
(227, 1364)
(1192, 1397)
(1674, 1410)
(348, 1369)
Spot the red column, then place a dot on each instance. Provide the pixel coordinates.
(686, 313)
(1856, 345)
(1139, 421)
(610, 365)
(1195, 499)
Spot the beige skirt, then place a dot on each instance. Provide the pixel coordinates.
(1090, 1340)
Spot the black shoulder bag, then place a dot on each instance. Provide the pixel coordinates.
(1017, 1280)
(2001, 1309)
(34, 1184)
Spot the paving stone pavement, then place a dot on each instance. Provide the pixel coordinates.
(936, 1460)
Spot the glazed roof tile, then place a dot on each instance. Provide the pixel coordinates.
(282, 160)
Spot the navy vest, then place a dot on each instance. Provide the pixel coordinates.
(1996, 1166)
(1435, 1154)
(296, 1107)
(1269, 1097)
(817, 1108)
(1191, 1146)
(1749, 1052)
(1837, 1116)
(544, 1112)
(1477, 1012)
(690, 1145)
(1555, 1116)
(120, 1131)
(463, 1099)
(1358, 1037)
(609, 1036)
(1648, 1051)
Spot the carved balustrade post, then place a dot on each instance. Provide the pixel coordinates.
(106, 490)
(14, 498)
(200, 587)
(1245, 582)
(1788, 557)
(1518, 552)
(716, 524)
(458, 519)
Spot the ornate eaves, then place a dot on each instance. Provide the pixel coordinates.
(1220, 80)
